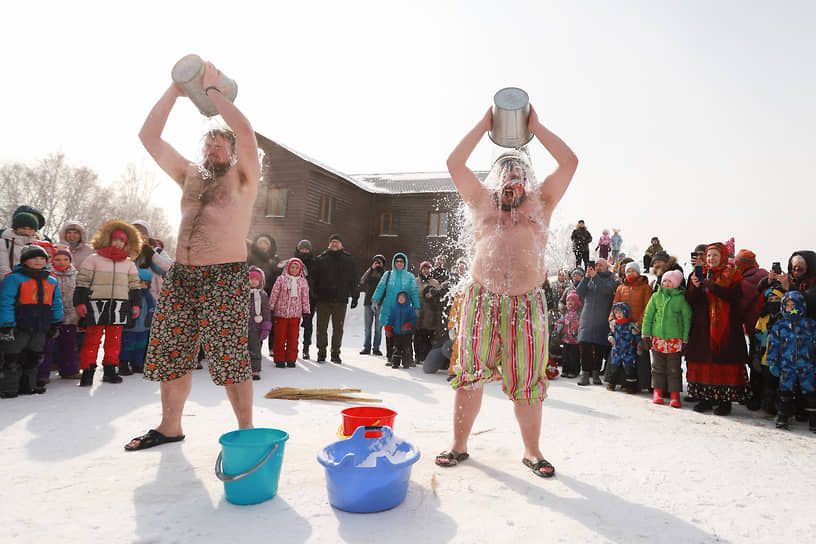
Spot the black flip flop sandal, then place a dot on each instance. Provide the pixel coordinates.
(536, 467)
(151, 439)
(453, 458)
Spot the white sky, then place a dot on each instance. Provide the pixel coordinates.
(692, 120)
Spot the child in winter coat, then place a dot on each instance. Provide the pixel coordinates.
(260, 319)
(624, 339)
(136, 334)
(567, 327)
(792, 358)
(770, 313)
(64, 349)
(289, 301)
(399, 325)
(666, 327)
(617, 242)
(23, 231)
(604, 244)
(107, 294)
(30, 314)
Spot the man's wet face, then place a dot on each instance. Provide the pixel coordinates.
(512, 191)
(217, 154)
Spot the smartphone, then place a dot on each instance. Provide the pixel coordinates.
(698, 271)
(693, 256)
(777, 268)
(591, 264)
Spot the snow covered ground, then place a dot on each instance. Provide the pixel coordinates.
(627, 471)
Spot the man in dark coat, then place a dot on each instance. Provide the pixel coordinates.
(335, 281)
(580, 244)
(368, 284)
(303, 251)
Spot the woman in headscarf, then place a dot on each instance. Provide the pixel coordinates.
(716, 351)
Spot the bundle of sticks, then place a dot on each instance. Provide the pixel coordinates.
(296, 393)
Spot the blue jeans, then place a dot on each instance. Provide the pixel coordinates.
(372, 318)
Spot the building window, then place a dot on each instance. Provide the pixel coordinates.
(326, 209)
(388, 223)
(276, 202)
(438, 224)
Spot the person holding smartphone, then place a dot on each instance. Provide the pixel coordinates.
(801, 276)
(716, 353)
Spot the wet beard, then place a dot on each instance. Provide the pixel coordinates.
(508, 206)
(215, 169)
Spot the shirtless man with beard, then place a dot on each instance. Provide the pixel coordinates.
(503, 316)
(205, 295)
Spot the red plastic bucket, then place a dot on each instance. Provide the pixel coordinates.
(365, 416)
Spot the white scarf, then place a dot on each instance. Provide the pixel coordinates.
(293, 285)
(256, 305)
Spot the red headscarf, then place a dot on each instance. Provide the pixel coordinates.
(719, 310)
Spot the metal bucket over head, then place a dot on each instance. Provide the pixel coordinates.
(511, 116)
(187, 73)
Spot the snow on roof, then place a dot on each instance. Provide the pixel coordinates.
(411, 182)
(398, 183)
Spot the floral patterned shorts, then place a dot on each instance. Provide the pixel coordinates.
(206, 306)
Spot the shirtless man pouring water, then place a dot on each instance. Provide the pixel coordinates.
(503, 317)
(205, 295)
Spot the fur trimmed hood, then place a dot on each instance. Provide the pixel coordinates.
(76, 225)
(103, 237)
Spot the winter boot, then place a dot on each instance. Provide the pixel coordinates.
(596, 378)
(812, 422)
(723, 409)
(675, 400)
(87, 376)
(109, 374)
(124, 368)
(25, 386)
(782, 421)
(584, 380)
(657, 396)
(306, 352)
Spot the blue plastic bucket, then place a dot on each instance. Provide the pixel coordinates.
(365, 474)
(251, 460)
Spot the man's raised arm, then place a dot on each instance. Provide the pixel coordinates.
(246, 146)
(556, 183)
(162, 152)
(468, 185)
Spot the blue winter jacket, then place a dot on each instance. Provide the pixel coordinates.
(145, 319)
(391, 284)
(792, 346)
(402, 314)
(624, 352)
(30, 300)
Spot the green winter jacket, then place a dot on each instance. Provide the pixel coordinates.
(668, 315)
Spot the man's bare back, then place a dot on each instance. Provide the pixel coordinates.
(511, 232)
(215, 218)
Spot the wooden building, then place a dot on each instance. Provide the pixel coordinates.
(300, 198)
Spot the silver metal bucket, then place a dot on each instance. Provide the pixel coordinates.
(511, 115)
(187, 73)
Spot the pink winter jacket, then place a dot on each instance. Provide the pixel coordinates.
(280, 301)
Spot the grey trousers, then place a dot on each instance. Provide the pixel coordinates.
(667, 373)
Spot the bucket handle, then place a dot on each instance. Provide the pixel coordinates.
(226, 478)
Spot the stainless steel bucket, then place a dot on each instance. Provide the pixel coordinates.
(187, 73)
(511, 115)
